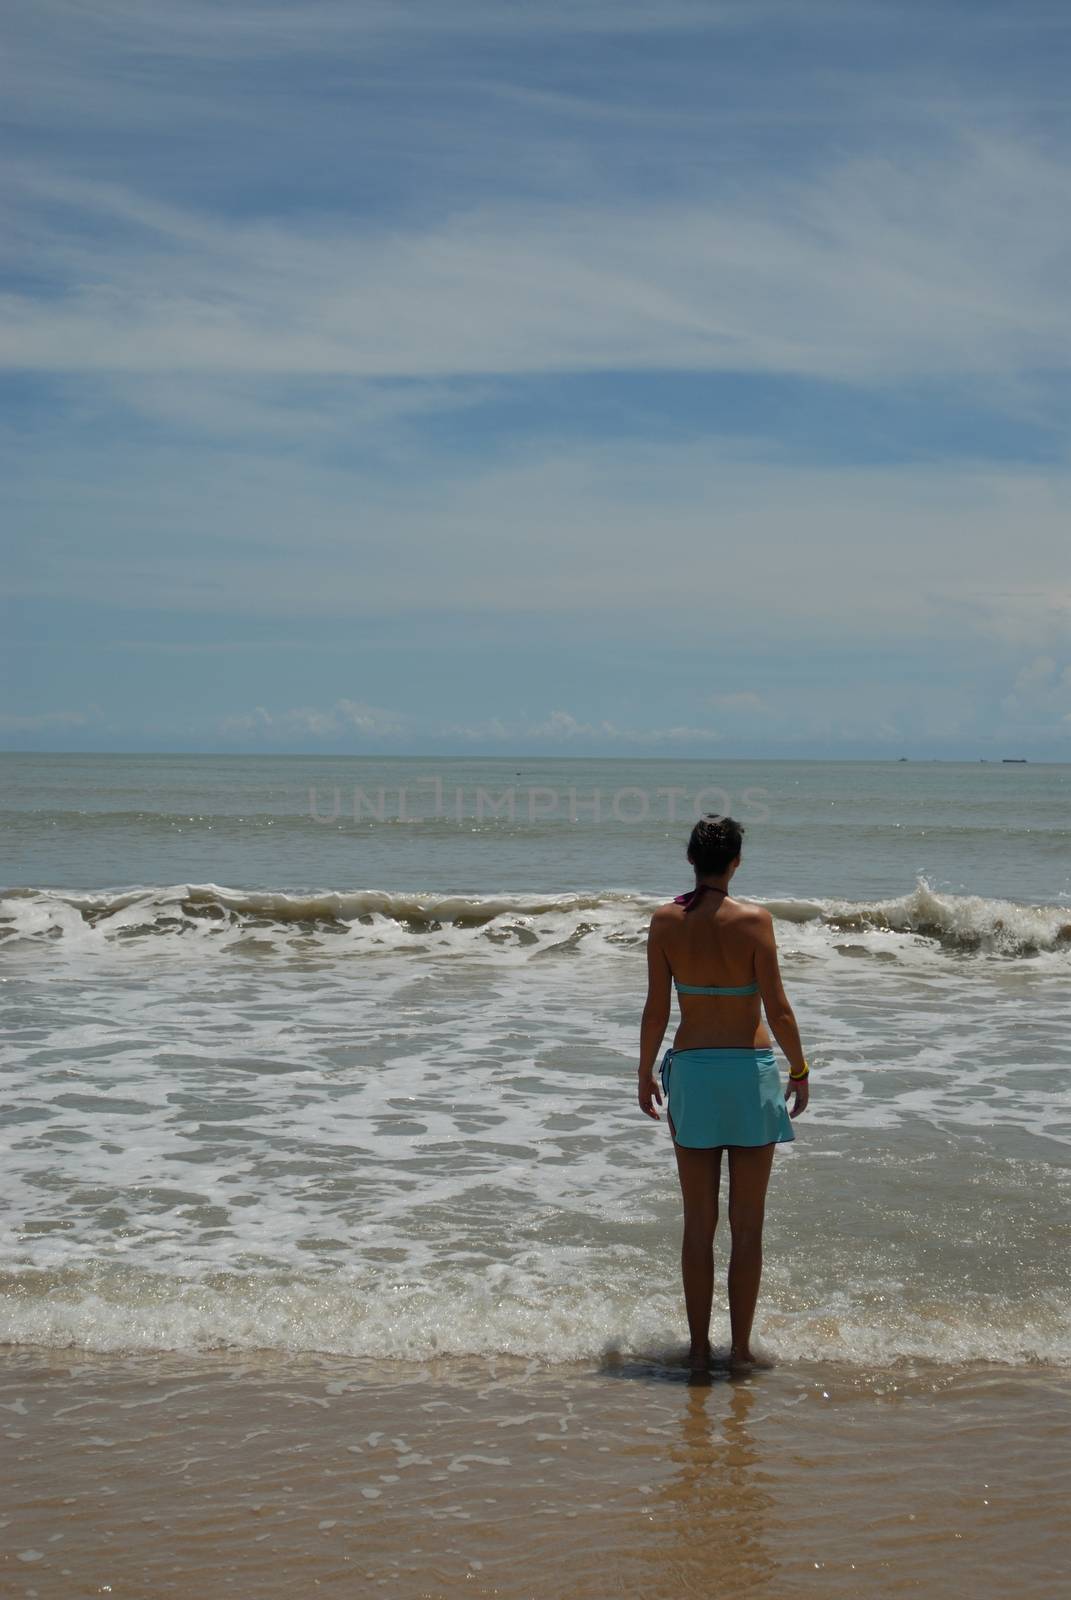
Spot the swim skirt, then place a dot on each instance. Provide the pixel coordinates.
(723, 1097)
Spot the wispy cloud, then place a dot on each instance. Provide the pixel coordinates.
(342, 718)
(350, 719)
(47, 721)
(192, 30)
(569, 529)
(864, 271)
(563, 728)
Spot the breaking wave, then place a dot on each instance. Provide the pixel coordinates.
(953, 922)
(504, 1310)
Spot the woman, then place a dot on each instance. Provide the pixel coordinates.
(720, 1076)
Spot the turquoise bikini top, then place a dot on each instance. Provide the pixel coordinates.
(700, 988)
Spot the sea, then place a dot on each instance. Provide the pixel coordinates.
(327, 1066)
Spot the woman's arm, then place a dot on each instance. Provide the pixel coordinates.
(655, 1018)
(779, 1013)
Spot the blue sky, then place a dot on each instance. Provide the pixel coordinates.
(588, 378)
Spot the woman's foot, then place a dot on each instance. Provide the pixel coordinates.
(748, 1361)
(699, 1359)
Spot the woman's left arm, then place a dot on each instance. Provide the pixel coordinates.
(655, 1018)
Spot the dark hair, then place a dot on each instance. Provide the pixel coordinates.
(715, 841)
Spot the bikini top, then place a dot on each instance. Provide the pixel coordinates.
(702, 988)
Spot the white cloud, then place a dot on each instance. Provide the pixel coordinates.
(344, 717)
(562, 727)
(276, 412)
(191, 31)
(861, 271)
(12, 722)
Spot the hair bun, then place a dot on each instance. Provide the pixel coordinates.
(714, 844)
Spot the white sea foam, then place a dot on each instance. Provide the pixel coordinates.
(549, 1314)
(379, 1124)
(374, 919)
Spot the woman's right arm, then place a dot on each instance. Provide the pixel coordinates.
(779, 1014)
(655, 1018)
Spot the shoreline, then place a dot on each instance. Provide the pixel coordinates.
(162, 1473)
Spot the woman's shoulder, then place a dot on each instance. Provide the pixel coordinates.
(751, 910)
(751, 922)
(668, 912)
(754, 906)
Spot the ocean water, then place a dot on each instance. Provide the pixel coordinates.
(338, 1056)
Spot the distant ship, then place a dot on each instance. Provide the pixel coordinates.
(1014, 761)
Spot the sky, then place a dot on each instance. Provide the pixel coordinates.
(503, 376)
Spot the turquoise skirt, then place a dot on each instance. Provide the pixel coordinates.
(725, 1097)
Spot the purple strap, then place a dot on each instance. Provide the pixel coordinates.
(692, 894)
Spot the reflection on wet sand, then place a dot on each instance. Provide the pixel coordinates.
(716, 1519)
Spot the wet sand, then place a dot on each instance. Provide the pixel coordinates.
(143, 1476)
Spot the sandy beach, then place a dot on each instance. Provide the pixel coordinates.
(155, 1475)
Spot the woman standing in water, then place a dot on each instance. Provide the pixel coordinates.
(719, 1076)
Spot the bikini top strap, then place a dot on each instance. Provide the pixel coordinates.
(692, 895)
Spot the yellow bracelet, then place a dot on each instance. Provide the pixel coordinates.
(794, 1077)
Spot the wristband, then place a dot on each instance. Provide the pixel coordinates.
(795, 1077)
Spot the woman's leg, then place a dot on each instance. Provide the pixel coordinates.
(749, 1174)
(699, 1172)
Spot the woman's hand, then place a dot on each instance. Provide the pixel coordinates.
(649, 1092)
(799, 1090)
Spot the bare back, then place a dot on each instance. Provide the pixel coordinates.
(718, 943)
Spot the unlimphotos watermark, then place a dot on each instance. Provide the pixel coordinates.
(426, 799)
